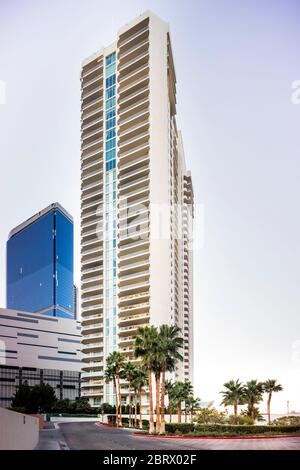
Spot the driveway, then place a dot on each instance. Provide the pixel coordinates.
(88, 436)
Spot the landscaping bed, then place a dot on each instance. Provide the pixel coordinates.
(226, 431)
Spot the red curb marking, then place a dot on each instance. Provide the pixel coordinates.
(215, 438)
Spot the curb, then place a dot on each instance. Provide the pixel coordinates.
(284, 436)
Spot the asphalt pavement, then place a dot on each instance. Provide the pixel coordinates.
(88, 436)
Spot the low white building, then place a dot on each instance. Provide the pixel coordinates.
(38, 349)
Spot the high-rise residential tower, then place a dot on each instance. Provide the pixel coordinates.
(136, 201)
(40, 264)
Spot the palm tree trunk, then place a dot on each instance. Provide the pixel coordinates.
(163, 391)
(269, 408)
(141, 417)
(135, 405)
(157, 383)
(129, 398)
(151, 430)
(179, 411)
(235, 409)
(117, 402)
(120, 399)
(185, 413)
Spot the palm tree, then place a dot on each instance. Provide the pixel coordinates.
(169, 390)
(110, 376)
(140, 381)
(253, 394)
(179, 396)
(128, 373)
(135, 385)
(157, 375)
(271, 386)
(192, 403)
(170, 343)
(116, 361)
(188, 391)
(233, 395)
(145, 348)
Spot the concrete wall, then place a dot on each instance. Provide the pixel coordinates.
(18, 431)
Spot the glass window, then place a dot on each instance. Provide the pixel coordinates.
(110, 92)
(111, 123)
(111, 113)
(110, 81)
(110, 70)
(110, 144)
(110, 58)
(110, 103)
(111, 154)
(110, 134)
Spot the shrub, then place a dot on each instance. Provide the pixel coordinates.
(241, 420)
(287, 421)
(210, 416)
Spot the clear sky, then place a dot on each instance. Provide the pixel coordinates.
(235, 62)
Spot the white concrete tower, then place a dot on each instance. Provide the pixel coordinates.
(135, 200)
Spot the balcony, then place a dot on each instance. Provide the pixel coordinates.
(135, 73)
(92, 144)
(92, 393)
(134, 130)
(135, 63)
(98, 91)
(135, 50)
(134, 185)
(91, 199)
(134, 164)
(88, 375)
(92, 323)
(135, 38)
(87, 71)
(131, 300)
(135, 152)
(126, 341)
(93, 122)
(93, 354)
(134, 287)
(90, 346)
(124, 330)
(93, 365)
(139, 115)
(87, 156)
(90, 337)
(90, 108)
(91, 114)
(124, 260)
(136, 320)
(85, 272)
(132, 246)
(94, 259)
(97, 307)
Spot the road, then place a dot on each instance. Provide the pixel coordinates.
(88, 436)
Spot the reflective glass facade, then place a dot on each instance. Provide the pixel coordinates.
(110, 208)
(40, 266)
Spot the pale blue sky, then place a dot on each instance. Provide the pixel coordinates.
(235, 62)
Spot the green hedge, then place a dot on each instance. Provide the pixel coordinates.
(229, 430)
(72, 415)
(183, 428)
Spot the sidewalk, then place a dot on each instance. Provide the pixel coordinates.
(51, 439)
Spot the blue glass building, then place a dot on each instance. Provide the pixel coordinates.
(40, 274)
